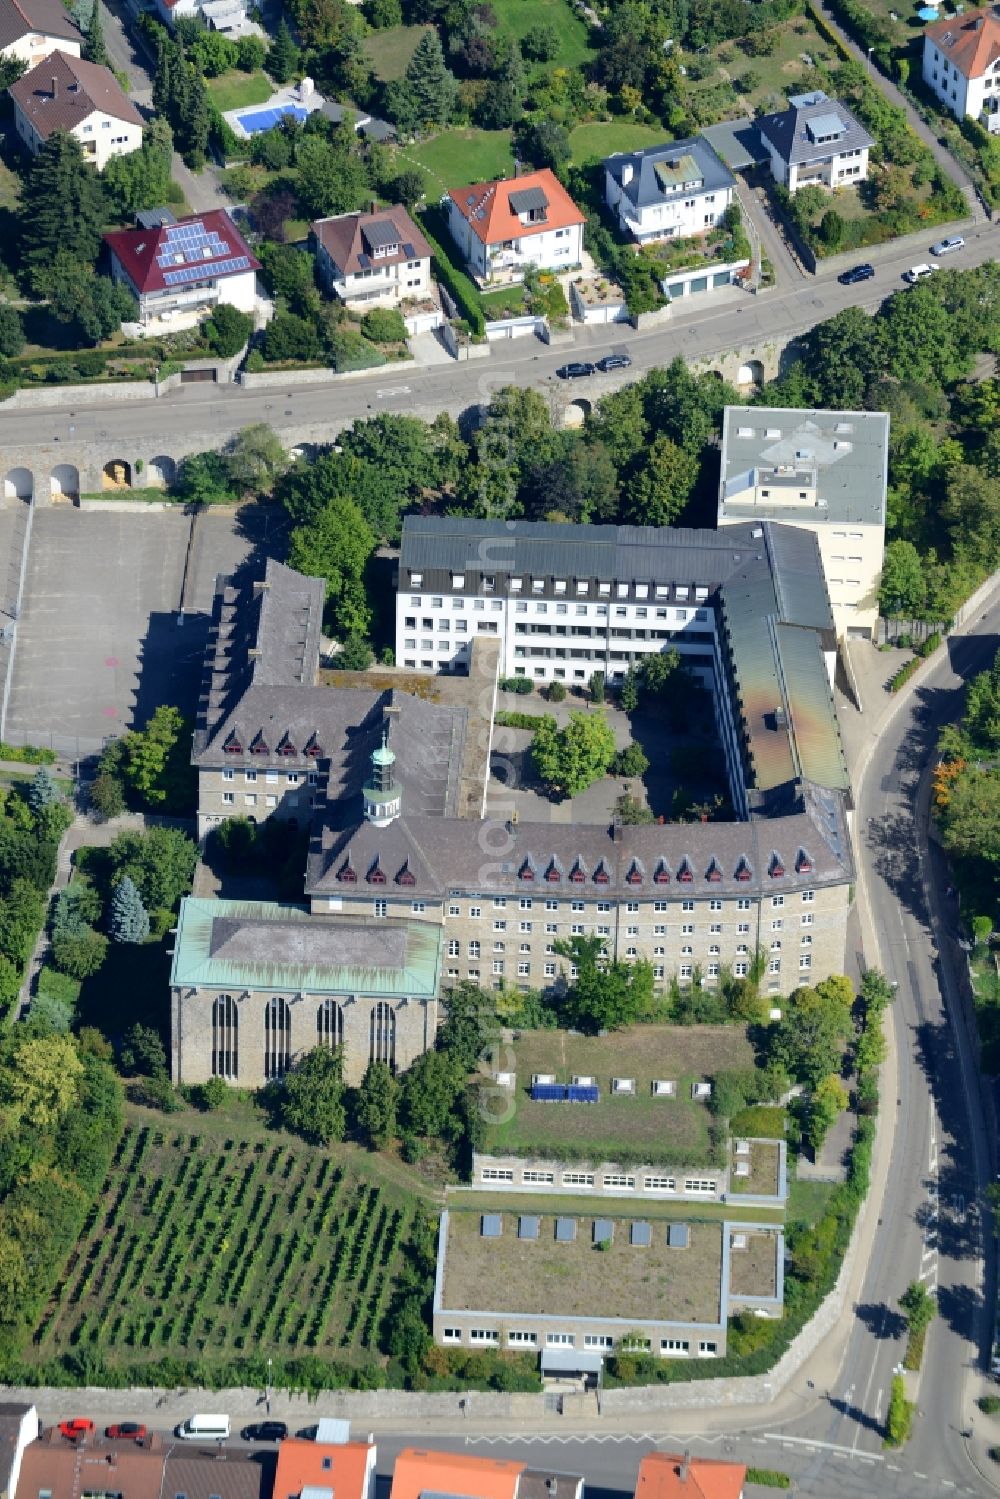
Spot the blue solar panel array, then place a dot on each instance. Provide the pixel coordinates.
(565, 1093)
(206, 269)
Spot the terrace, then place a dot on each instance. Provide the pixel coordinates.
(753, 1264)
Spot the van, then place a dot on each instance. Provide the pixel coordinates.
(204, 1429)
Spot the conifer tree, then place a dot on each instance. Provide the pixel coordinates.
(94, 49)
(129, 921)
(62, 209)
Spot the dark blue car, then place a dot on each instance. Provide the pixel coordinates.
(856, 273)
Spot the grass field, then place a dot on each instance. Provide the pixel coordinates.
(516, 17)
(578, 1278)
(612, 1207)
(234, 90)
(763, 1178)
(764, 83)
(209, 1245)
(670, 1129)
(10, 187)
(390, 50)
(599, 139)
(454, 158)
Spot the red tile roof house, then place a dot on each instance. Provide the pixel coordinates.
(377, 259)
(502, 227)
(420, 1473)
(670, 1475)
(82, 98)
(180, 272)
(312, 1469)
(32, 29)
(962, 65)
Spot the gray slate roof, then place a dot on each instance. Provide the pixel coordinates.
(646, 185)
(845, 453)
(790, 135)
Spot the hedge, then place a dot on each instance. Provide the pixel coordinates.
(904, 674)
(456, 282)
(520, 720)
(769, 1478)
(28, 754)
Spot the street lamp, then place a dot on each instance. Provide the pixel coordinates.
(267, 1392)
(871, 49)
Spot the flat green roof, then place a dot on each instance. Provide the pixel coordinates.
(241, 944)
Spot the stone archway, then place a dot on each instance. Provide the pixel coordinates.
(64, 482)
(19, 484)
(576, 412)
(751, 372)
(161, 470)
(116, 474)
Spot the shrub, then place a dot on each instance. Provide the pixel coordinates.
(630, 761)
(556, 692)
(456, 282)
(597, 687)
(227, 330)
(515, 684)
(355, 654)
(520, 720)
(213, 1094)
(904, 674)
(982, 929)
(80, 954)
(930, 645)
(769, 1478)
(989, 1404)
(384, 325)
(899, 1417)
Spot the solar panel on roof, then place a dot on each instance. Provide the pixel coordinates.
(206, 269)
(565, 1230)
(527, 1227)
(603, 1229)
(678, 1236)
(639, 1234)
(490, 1226)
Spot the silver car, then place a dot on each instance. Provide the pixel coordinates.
(945, 246)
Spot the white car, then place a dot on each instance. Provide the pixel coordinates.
(945, 246)
(918, 272)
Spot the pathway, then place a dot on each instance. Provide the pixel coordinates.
(945, 160)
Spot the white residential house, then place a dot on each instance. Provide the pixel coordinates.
(81, 98)
(962, 65)
(503, 227)
(178, 272)
(815, 142)
(673, 191)
(825, 472)
(377, 259)
(33, 29)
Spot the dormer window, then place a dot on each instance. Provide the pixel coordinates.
(232, 746)
(260, 746)
(634, 876)
(743, 870)
(803, 863)
(286, 747)
(662, 875)
(526, 872)
(776, 869)
(406, 875)
(714, 872)
(601, 876)
(577, 874)
(314, 749)
(376, 874)
(685, 873)
(553, 874)
(346, 874)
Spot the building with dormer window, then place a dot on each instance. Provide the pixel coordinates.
(377, 259)
(815, 142)
(673, 191)
(503, 227)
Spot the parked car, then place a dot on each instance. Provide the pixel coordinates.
(945, 246)
(265, 1431)
(855, 274)
(918, 272)
(614, 362)
(576, 370)
(132, 1431)
(76, 1428)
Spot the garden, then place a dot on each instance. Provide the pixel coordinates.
(204, 1249)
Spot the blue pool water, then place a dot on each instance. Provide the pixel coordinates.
(266, 119)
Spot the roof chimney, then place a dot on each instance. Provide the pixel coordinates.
(55, 88)
(685, 1468)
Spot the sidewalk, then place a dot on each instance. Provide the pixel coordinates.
(948, 163)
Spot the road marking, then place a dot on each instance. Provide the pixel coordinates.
(775, 1436)
(393, 390)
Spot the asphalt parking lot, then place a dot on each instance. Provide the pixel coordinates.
(99, 645)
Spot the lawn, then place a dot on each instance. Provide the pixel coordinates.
(763, 1178)
(516, 17)
(807, 1201)
(578, 1279)
(612, 1207)
(742, 85)
(665, 1130)
(602, 138)
(390, 51)
(753, 1271)
(456, 158)
(234, 90)
(207, 1245)
(10, 187)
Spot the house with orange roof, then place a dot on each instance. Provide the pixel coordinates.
(503, 227)
(962, 65)
(671, 1475)
(319, 1470)
(457, 1475)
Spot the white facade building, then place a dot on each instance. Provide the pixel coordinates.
(503, 227)
(377, 259)
(180, 271)
(961, 65)
(32, 30)
(674, 191)
(81, 98)
(815, 142)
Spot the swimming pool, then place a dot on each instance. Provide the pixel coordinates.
(266, 119)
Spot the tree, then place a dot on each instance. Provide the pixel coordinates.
(545, 143)
(142, 1051)
(256, 459)
(129, 920)
(331, 176)
(161, 863)
(11, 332)
(604, 995)
(94, 49)
(283, 55)
(228, 330)
(831, 229)
(313, 1101)
(828, 1100)
(62, 209)
(41, 1084)
(377, 1103)
(336, 546)
(157, 760)
(470, 1025)
(903, 589)
(540, 43)
(628, 695)
(663, 484)
(204, 479)
(250, 54)
(918, 1306)
(408, 187)
(355, 654)
(43, 791)
(596, 687)
(631, 812)
(808, 1039)
(426, 94)
(429, 1091)
(572, 758)
(80, 954)
(844, 355)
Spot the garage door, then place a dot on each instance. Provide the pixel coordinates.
(197, 377)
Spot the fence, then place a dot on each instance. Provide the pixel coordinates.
(13, 598)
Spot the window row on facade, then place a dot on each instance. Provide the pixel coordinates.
(675, 1347)
(228, 1034)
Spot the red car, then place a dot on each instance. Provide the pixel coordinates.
(131, 1431)
(78, 1427)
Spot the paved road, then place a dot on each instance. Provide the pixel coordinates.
(726, 320)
